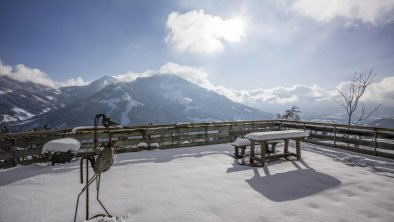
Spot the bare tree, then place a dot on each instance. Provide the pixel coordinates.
(350, 96)
(290, 114)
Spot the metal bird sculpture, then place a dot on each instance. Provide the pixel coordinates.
(100, 164)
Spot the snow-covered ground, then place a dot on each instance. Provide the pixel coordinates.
(206, 184)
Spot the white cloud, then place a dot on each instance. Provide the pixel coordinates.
(198, 32)
(130, 76)
(192, 74)
(381, 92)
(277, 95)
(23, 73)
(72, 82)
(366, 11)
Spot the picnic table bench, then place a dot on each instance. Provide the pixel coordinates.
(264, 138)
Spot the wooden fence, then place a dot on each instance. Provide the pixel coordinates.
(25, 147)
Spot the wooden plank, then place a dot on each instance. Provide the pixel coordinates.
(286, 146)
(263, 150)
(359, 142)
(252, 144)
(298, 149)
(321, 136)
(385, 135)
(6, 144)
(6, 155)
(356, 132)
(352, 149)
(340, 125)
(384, 145)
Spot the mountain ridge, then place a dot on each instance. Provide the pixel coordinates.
(158, 99)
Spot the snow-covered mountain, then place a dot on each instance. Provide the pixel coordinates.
(24, 100)
(72, 93)
(158, 99)
(383, 122)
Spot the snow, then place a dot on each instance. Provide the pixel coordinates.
(155, 145)
(202, 120)
(50, 97)
(21, 114)
(39, 99)
(5, 118)
(61, 145)
(142, 144)
(45, 110)
(131, 103)
(273, 135)
(124, 115)
(177, 96)
(81, 128)
(206, 184)
(3, 92)
(241, 142)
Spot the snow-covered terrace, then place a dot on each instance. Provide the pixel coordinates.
(205, 183)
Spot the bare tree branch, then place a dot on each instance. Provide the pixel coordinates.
(351, 95)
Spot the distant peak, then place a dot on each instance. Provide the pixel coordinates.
(105, 80)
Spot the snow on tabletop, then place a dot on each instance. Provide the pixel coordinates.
(154, 145)
(61, 145)
(241, 142)
(273, 135)
(142, 144)
(206, 184)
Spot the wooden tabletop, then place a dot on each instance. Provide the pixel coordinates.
(275, 135)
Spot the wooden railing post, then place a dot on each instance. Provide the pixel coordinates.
(206, 134)
(15, 149)
(179, 136)
(375, 142)
(335, 136)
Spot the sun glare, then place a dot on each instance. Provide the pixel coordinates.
(233, 29)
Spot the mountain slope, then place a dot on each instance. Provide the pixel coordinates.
(160, 99)
(383, 122)
(23, 100)
(73, 93)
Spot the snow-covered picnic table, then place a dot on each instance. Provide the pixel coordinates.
(263, 139)
(61, 145)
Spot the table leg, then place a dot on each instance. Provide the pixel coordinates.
(298, 149)
(263, 147)
(243, 150)
(251, 152)
(286, 148)
(236, 153)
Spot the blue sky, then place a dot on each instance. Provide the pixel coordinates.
(238, 45)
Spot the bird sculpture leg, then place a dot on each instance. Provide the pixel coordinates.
(94, 177)
(98, 192)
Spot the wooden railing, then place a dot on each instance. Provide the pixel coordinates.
(367, 140)
(25, 147)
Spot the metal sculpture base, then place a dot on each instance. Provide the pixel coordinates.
(96, 177)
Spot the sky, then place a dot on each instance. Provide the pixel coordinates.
(236, 47)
